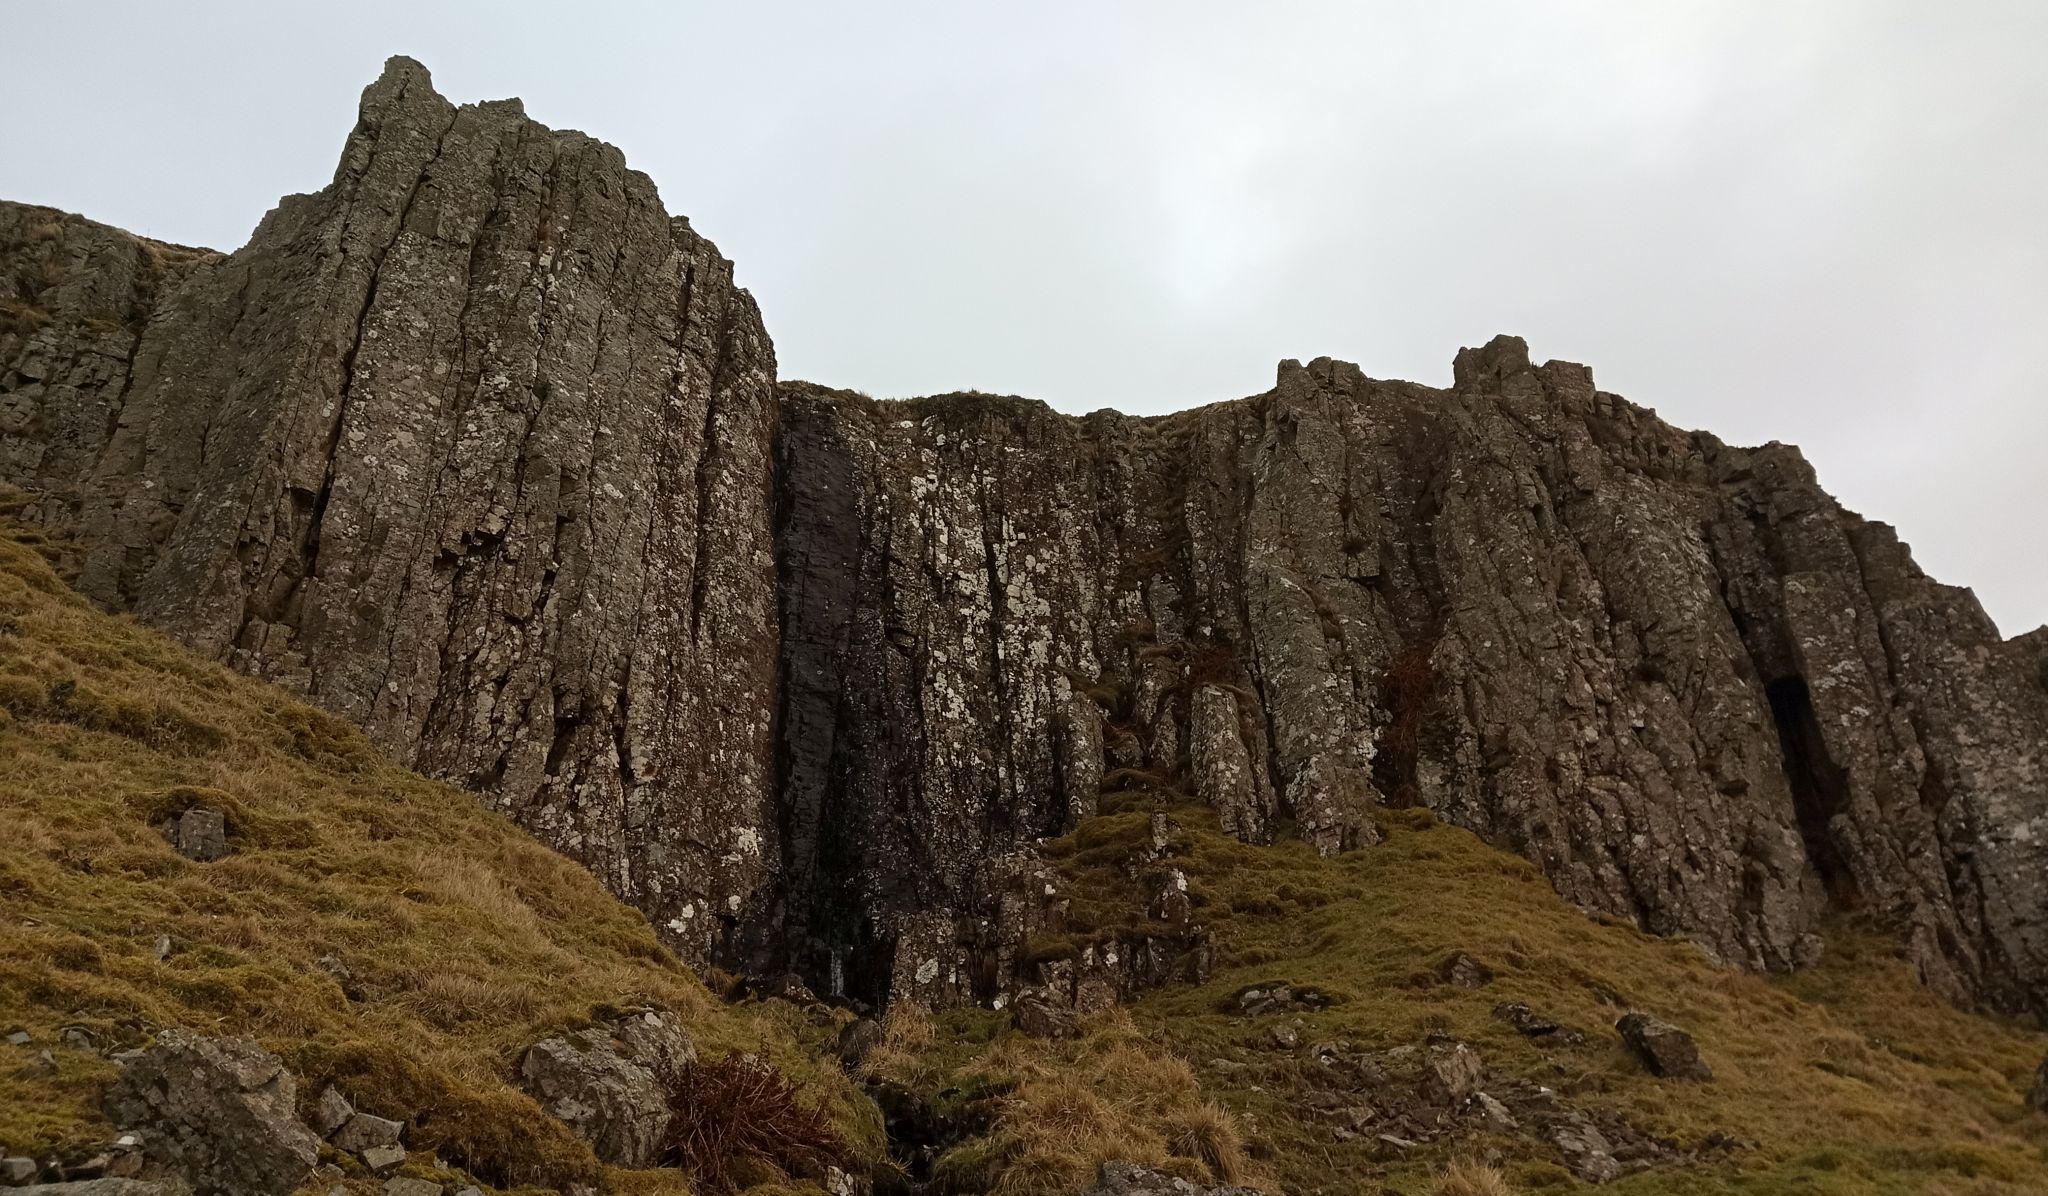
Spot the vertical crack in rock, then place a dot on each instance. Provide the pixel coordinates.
(482, 449)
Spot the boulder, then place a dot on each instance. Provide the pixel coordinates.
(1464, 971)
(606, 1082)
(17, 1171)
(364, 1131)
(200, 834)
(1450, 1074)
(222, 1112)
(1665, 1049)
(1038, 1016)
(860, 1036)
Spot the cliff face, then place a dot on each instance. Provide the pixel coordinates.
(470, 446)
(480, 448)
(1674, 674)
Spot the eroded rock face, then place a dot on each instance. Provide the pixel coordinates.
(1674, 674)
(480, 448)
(471, 447)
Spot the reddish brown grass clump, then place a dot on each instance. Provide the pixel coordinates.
(738, 1116)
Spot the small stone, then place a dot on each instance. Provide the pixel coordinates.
(1524, 1019)
(1665, 1049)
(411, 1187)
(861, 1036)
(44, 1064)
(202, 834)
(1464, 971)
(332, 1112)
(163, 946)
(17, 1171)
(1491, 1114)
(78, 1038)
(19, 1038)
(1285, 1037)
(366, 1131)
(380, 1159)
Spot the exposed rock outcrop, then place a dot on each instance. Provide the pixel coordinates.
(1663, 1048)
(470, 446)
(607, 1082)
(481, 449)
(1674, 674)
(218, 1111)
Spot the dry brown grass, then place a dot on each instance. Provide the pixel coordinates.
(461, 939)
(739, 1122)
(1209, 1134)
(1467, 1178)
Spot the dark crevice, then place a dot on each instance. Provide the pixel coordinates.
(1820, 788)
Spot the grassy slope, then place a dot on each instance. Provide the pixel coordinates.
(466, 940)
(1846, 1079)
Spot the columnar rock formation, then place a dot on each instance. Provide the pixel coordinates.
(480, 448)
(470, 446)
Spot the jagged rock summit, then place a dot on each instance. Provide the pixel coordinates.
(482, 449)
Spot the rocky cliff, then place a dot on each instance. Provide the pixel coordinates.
(480, 448)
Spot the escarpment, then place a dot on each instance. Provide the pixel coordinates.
(480, 448)
(470, 446)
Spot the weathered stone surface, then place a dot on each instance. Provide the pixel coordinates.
(2037, 1096)
(201, 834)
(330, 1112)
(860, 1037)
(1131, 1179)
(1039, 1016)
(219, 1111)
(1450, 1074)
(481, 449)
(471, 447)
(1594, 639)
(363, 1131)
(1586, 1150)
(1226, 774)
(1664, 1048)
(605, 1082)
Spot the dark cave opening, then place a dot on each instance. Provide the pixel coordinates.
(1820, 787)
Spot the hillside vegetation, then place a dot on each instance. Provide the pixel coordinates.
(388, 934)
(1847, 1079)
(375, 929)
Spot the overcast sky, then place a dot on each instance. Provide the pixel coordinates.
(1825, 223)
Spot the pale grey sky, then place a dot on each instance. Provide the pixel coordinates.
(1820, 222)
